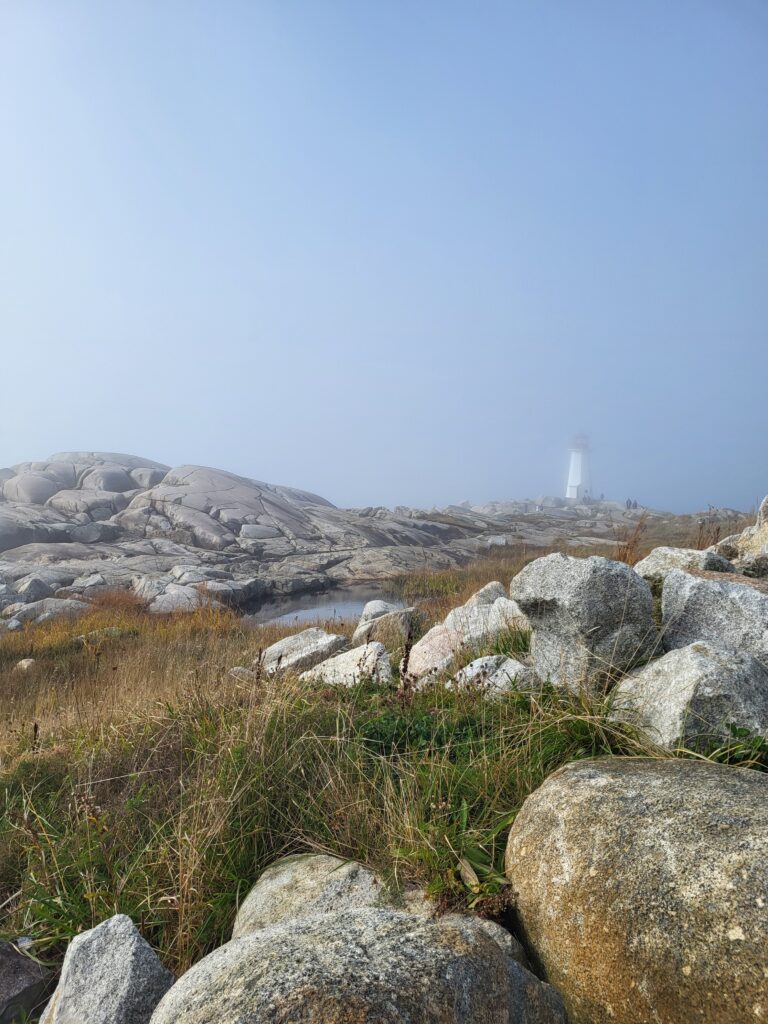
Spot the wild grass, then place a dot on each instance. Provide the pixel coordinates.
(137, 775)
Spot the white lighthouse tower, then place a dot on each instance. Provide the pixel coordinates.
(579, 477)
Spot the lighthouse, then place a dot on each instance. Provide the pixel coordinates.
(579, 482)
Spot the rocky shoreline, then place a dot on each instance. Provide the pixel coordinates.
(79, 523)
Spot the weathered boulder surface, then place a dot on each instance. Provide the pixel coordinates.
(733, 615)
(591, 617)
(369, 662)
(642, 887)
(495, 674)
(110, 976)
(750, 544)
(661, 561)
(691, 695)
(45, 610)
(307, 885)
(302, 651)
(484, 618)
(370, 965)
(24, 985)
(386, 623)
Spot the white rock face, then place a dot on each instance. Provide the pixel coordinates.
(368, 965)
(370, 662)
(730, 615)
(591, 617)
(110, 976)
(302, 651)
(690, 697)
(483, 619)
(496, 674)
(33, 588)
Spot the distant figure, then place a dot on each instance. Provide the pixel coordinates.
(634, 503)
(628, 503)
(602, 496)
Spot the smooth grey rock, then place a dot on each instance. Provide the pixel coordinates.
(110, 976)
(690, 697)
(661, 561)
(182, 599)
(302, 651)
(25, 665)
(304, 886)
(642, 886)
(488, 594)
(591, 618)
(393, 629)
(147, 588)
(376, 965)
(33, 588)
(496, 674)
(375, 609)
(369, 662)
(45, 610)
(731, 615)
(470, 627)
(24, 985)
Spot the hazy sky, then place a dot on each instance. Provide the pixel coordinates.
(391, 251)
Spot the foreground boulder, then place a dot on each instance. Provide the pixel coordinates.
(24, 985)
(691, 696)
(591, 617)
(661, 561)
(370, 663)
(110, 976)
(367, 966)
(302, 651)
(642, 885)
(38, 612)
(730, 614)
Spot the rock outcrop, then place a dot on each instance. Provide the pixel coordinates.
(494, 675)
(693, 696)
(591, 618)
(83, 515)
(642, 887)
(110, 976)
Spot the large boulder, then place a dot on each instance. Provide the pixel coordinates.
(730, 614)
(692, 696)
(110, 976)
(641, 886)
(591, 617)
(49, 608)
(369, 662)
(302, 651)
(307, 885)
(367, 966)
(24, 985)
(661, 561)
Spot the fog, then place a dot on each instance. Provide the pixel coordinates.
(392, 253)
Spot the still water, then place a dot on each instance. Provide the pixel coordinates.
(341, 603)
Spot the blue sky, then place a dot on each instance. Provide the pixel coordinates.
(391, 252)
